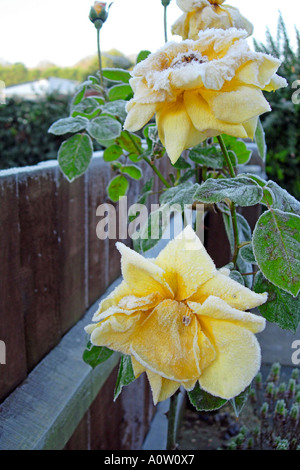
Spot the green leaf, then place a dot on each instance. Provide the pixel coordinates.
(260, 140)
(236, 276)
(238, 147)
(120, 92)
(241, 190)
(133, 171)
(281, 307)
(88, 107)
(247, 254)
(183, 194)
(116, 108)
(117, 75)
(129, 142)
(142, 56)
(209, 157)
(276, 246)
(239, 402)
(125, 375)
(112, 153)
(74, 155)
(95, 355)
(104, 128)
(203, 401)
(181, 164)
(117, 188)
(282, 200)
(67, 125)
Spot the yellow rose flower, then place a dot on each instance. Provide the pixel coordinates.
(203, 14)
(99, 6)
(200, 89)
(181, 320)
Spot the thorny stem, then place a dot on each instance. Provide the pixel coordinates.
(146, 159)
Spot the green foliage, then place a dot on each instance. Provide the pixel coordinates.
(95, 355)
(74, 155)
(282, 124)
(125, 375)
(23, 130)
(276, 244)
(281, 307)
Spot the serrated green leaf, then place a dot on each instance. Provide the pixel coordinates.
(117, 188)
(95, 355)
(142, 55)
(276, 246)
(117, 75)
(241, 190)
(112, 153)
(120, 92)
(125, 375)
(260, 140)
(203, 401)
(209, 157)
(68, 125)
(74, 155)
(133, 171)
(281, 307)
(104, 128)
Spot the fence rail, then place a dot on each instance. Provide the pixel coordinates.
(53, 268)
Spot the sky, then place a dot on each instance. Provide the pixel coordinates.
(60, 32)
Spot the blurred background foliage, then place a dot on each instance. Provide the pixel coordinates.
(282, 125)
(24, 124)
(13, 74)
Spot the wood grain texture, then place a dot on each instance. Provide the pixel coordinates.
(12, 330)
(39, 258)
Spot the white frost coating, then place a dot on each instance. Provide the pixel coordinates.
(190, 5)
(216, 308)
(185, 65)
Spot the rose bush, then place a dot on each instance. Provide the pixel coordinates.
(200, 89)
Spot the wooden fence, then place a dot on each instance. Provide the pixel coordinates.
(53, 269)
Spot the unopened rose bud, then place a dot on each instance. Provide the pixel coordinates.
(98, 14)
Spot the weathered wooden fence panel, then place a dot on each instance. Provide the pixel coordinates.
(53, 267)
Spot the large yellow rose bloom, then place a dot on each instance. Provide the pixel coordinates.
(200, 89)
(182, 321)
(203, 14)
